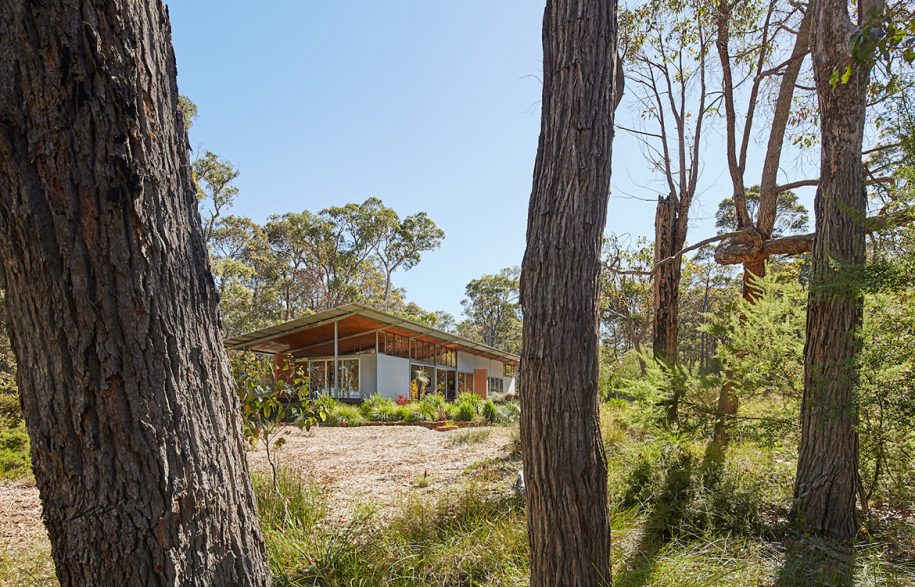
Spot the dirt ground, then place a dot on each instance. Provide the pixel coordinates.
(365, 465)
(378, 465)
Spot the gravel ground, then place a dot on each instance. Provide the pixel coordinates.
(381, 464)
(377, 465)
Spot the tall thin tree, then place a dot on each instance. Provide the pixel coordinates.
(827, 466)
(136, 442)
(565, 468)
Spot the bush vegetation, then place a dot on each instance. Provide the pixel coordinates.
(468, 407)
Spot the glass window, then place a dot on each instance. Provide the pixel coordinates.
(349, 378)
(420, 381)
(394, 345)
(447, 357)
(465, 382)
(322, 374)
(317, 377)
(495, 385)
(508, 370)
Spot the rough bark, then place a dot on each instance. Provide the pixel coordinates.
(666, 284)
(824, 489)
(565, 467)
(666, 294)
(136, 443)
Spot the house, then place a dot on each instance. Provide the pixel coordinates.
(354, 351)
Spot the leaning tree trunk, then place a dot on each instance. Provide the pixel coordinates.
(824, 489)
(565, 467)
(128, 401)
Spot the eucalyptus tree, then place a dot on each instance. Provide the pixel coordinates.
(402, 243)
(492, 309)
(761, 43)
(626, 294)
(215, 184)
(827, 469)
(245, 269)
(136, 444)
(565, 468)
(667, 46)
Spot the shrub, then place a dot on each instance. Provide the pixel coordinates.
(489, 411)
(402, 400)
(327, 403)
(387, 412)
(9, 407)
(372, 403)
(684, 493)
(418, 412)
(470, 398)
(15, 462)
(465, 411)
(509, 412)
(344, 415)
(451, 411)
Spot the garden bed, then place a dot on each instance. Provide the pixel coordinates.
(438, 426)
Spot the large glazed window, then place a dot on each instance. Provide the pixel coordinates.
(495, 385)
(321, 377)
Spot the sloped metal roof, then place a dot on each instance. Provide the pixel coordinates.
(259, 340)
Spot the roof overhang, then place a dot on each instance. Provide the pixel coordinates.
(356, 328)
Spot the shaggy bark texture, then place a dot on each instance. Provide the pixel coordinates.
(136, 440)
(824, 489)
(565, 467)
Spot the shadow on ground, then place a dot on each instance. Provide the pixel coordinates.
(812, 561)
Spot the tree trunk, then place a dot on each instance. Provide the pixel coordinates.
(753, 270)
(128, 400)
(824, 489)
(666, 296)
(666, 319)
(565, 468)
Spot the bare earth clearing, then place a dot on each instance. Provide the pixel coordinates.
(365, 465)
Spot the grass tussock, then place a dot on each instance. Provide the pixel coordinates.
(468, 437)
(470, 537)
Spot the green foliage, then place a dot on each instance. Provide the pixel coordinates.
(271, 396)
(470, 398)
(465, 538)
(387, 412)
(419, 412)
(509, 412)
(791, 217)
(493, 312)
(372, 402)
(762, 352)
(489, 411)
(887, 398)
(10, 410)
(465, 411)
(344, 415)
(15, 460)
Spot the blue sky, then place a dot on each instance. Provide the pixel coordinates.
(428, 105)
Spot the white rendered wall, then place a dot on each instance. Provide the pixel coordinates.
(467, 363)
(368, 375)
(393, 376)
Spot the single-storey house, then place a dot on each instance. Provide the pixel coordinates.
(354, 351)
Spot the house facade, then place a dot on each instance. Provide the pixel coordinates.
(354, 351)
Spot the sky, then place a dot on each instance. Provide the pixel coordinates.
(429, 105)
